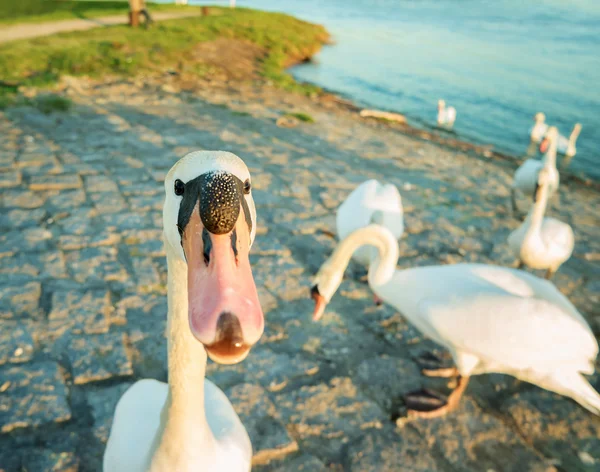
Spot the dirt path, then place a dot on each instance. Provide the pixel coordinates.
(34, 30)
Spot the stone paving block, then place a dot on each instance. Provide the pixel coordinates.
(280, 275)
(25, 240)
(390, 451)
(146, 276)
(45, 264)
(55, 182)
(270, 439)
(16, 343)
(79, 221)
(15, 219)
(50, 461)
(147, 188)
(32, 395)
(547, 419)
(83, 312)
(273, 371)
(147, 202)
(98, 357)
(35, 159)
(67, 200)
(325, 416)
(474, 440)
(22, 199)
(121, 221)
(97, 264)
(20, 300)
(103, 401)
(108, 202)
(387, 379)
(69, 242)
(100, 183)
(11, 178)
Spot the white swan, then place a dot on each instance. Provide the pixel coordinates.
(526, 176)
(445, 116)
(567, 146)
(537, 131)
(491, 319)
(542, 243)
(209, 224)
(370, 202)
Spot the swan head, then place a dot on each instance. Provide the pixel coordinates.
(539, 117)
(550, 137)
(325, 284)
(209, 223)
(441, 104)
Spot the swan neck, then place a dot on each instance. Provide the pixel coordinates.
(574, 135)
(550, 157)
(183, 417)
(384, 263)
(536, 214)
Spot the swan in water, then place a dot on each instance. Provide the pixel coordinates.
(445, 116)
(491, 319)
(370, 202)
(542, 243)
(209, 223)
(567, 146)
(538, 130)
(526, 176)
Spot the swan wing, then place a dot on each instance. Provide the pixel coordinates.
(135, 425)
(557, 234)
(354, 212)
(508, 317)
(526, 175)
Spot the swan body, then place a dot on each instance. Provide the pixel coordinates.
(189, 424)
(539, 129)
(542, 243)
(567, 146)
(526, 176)
(491, 319)
(370, 202)
(446, 115)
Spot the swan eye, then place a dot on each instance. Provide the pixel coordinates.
(179, 187)
(247, 186)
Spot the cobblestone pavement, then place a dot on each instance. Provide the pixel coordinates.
(83, 305)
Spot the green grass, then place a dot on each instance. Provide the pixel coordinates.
(46, 103)
(302, 117)
(125, 51)
(39, 11)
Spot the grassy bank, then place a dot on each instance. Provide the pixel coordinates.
(37, 11)
(279, 41)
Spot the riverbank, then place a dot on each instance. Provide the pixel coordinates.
(83, 276)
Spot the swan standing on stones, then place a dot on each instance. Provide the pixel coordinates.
(213, 309)
(445, 116)
(491, 319)
(526, 176)
(538, 130)
(567, 146)
(370, 202)
(542, 243)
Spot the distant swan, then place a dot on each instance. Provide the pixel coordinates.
(537, 131)
(542, 243)
(525, 179)
(445, 116)
(492, 320)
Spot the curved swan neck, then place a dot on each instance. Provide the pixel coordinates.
(382, 267)
(574, 135)
(550, 156)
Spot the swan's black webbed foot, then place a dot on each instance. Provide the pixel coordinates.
(424, 400)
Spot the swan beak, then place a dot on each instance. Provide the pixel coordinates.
(320, 303)
(544, 145)
(224, 309)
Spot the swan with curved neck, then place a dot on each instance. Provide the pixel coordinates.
(446, 115)
(538, 130)
(567, 146)
(525, 179)
(209, 224)
(491, 319)
(540, 242)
